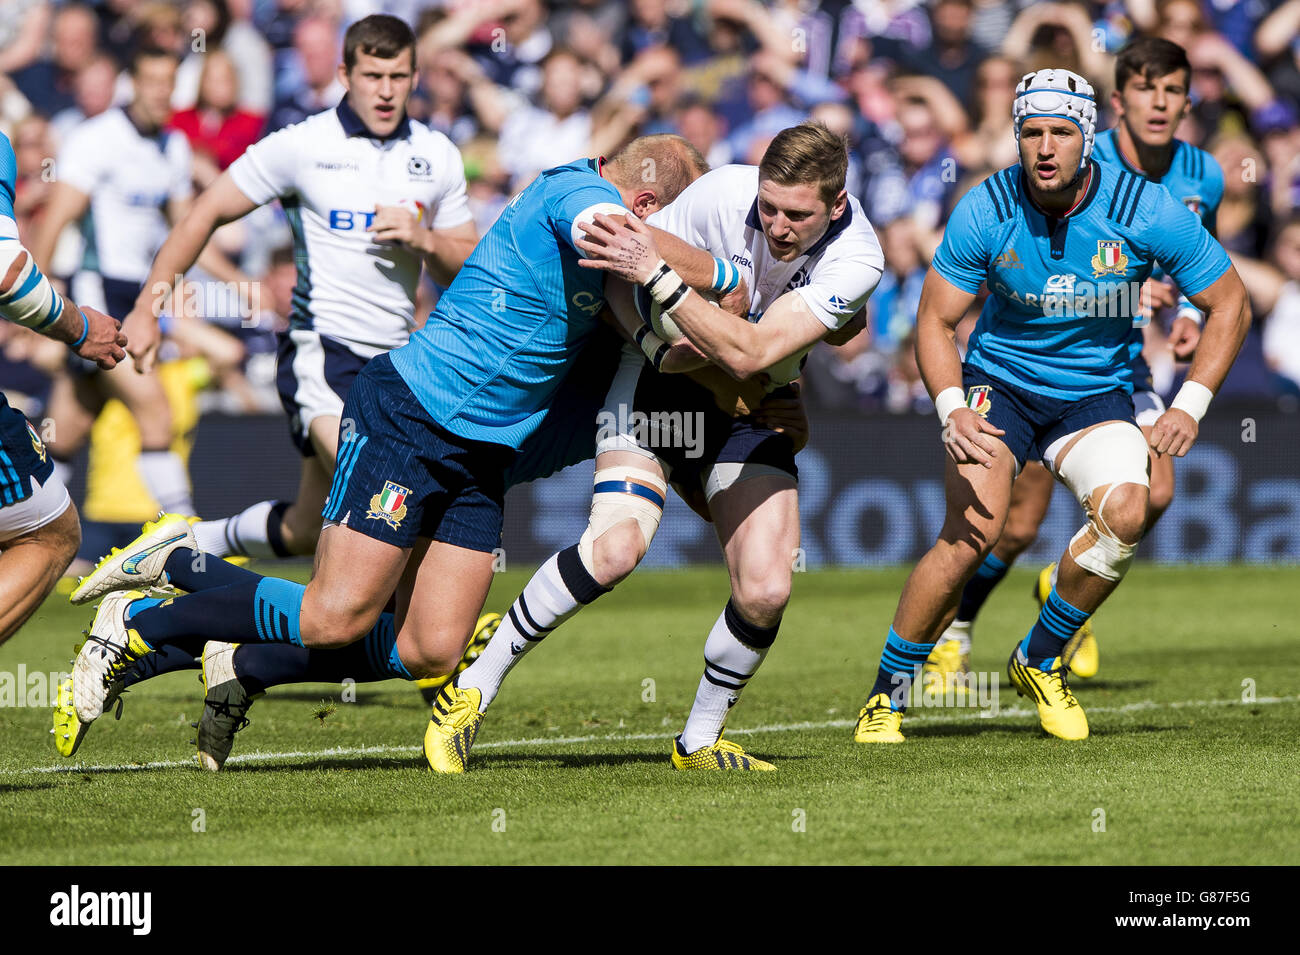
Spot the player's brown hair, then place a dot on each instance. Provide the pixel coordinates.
(809, 152)
(1150, 57)
(377, 35)
(667, 162)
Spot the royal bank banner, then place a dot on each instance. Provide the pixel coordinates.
(871, 493)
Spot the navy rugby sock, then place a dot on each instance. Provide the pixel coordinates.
(373, 658)
(261, 609)
(1057, 623)
(987, 576)
(900, 662)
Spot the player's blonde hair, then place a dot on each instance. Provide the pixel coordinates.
(663, 162)
(809, 152)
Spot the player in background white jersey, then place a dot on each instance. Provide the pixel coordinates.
(123, 176)
(809, 260)
(39, 531)
(372, 197)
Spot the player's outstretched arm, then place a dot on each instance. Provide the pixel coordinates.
(1227, 319)
(220, 203)
(941, 307)
(628, 250)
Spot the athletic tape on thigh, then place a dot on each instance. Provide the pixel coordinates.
(626, 492)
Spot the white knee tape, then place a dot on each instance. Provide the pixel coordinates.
(1100, 553)
(1115, 453)
(619, 494)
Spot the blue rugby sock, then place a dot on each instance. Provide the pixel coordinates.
(900, 661)
(366, 661)
(1057, 623)
(261, 609)
(163, 660)
(187, 571)
(977, 590)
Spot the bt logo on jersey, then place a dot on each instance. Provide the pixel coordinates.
(345, 220)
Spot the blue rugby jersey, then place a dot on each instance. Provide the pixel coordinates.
(1064, 290)
(1194, 178)
(491, 357)
(8, 177)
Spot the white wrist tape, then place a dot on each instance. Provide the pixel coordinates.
(26, 296)
(948, 401)
(654, 347)
(1194, 398)
(666, 287)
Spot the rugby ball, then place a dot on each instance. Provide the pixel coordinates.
(663, 325)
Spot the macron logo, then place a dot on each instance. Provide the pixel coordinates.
(75, 907)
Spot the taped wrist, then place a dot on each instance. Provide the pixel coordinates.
(655, 348)
(666, 287)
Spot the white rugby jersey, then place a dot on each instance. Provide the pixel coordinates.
(129, 176)
(719, 212)
(329, 174)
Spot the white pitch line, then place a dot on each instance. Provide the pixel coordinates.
(256, 757)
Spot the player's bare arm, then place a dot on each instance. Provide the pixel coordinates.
(1227, 319)
(941, 307)
(444, 250)
(67, 204)
(735, 345)
(220, 203)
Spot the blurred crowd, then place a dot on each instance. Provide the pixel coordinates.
(922, 91)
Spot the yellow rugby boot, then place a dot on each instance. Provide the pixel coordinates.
(483, 631)
(946, 667)
(724, 754)
(1058, 711)
(878, 722)
(454, 723)
(68, 730)
(1081, 653)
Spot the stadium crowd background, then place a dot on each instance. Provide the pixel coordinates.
(923, 92)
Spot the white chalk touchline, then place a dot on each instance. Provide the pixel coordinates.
(967, 713)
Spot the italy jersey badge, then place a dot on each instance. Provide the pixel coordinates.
(979, 400)
(388, 505)
(1109, 260)
(37, 445)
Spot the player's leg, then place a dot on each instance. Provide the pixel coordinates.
(73, 406)
(313, 377)
(1031, 494)
(757, 522)
(38, 539)
(161, 468)
(628, 497)
(977, 502)
(1105, 466)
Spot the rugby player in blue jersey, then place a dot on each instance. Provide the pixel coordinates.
(1064, 243)
(1152, 81)
(428, 434)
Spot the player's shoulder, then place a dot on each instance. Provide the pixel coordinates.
(1198, 166)
(1127, 198)
(736, 180)
(995, 199)
(104, 129)
(851, 237)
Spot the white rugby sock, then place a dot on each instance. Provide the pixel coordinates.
(559, 589)
(253, 532)
(732, 654)
(164, 475)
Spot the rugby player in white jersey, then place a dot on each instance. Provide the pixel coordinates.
(372, 197)
(809, 260)
(123, 175)
(39, 531)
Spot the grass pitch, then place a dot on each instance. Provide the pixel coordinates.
(572, 763)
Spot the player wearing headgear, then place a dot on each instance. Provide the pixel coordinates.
(1064, 243)
(808, 259)
(430, 432)
(39, 531)
(1152, 80)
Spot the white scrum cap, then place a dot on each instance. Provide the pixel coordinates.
(1057, 93)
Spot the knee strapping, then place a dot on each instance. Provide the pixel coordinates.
(1108, 456)
(623, 493)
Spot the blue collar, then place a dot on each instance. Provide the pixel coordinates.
(353, 126)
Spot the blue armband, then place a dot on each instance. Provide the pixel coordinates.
(725, 276)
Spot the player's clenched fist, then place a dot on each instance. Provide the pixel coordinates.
(965, 435)
(103, 343)
(1174, 433)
